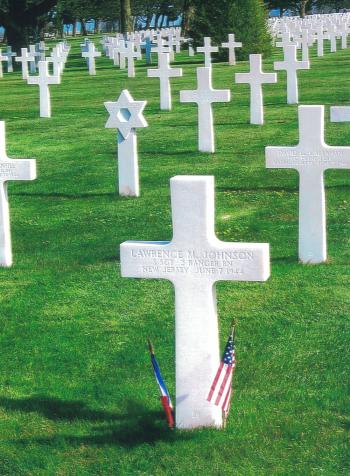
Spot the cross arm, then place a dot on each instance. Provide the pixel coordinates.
(143, 259)
(241, 261)
(188, 96)
(18, 169)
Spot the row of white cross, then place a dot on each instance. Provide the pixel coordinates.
(58, 59)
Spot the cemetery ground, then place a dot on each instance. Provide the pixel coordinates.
(77, 391)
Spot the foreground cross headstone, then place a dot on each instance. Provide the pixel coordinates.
(291, 66)
(231, 45)
(18, 169)
(43, 80)
(194, 260)
(126, 115)
(311, 157)
(164, 72)
(204, 96)
(256, 78)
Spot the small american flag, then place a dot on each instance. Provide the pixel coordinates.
(164, 394)
(221, 389)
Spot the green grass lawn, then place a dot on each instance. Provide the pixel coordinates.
(77, 392)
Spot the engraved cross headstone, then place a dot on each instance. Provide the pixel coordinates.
(291, 66)
(57, 61)
(10, 169)
(35, 55)
(311, 157)
(204, 96)
(320, 36)
(164, 72)
(9, 55)
(126, 115)
(207, 49)
(131, 54)
(43, 80)
(90, 55)
(194, 260)
(231, 45)
(2, 58)
(256, 78)
(25, 58)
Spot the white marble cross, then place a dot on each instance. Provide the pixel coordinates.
(194, 260)
(164, 72)
(344, 32)
(311, 157)
(231, 45)
(9, 55)
(333, 35)
(43, 80)
(35, 55)
(204, 96)
(41, 48)
(122, 54)
(126, 115)
(291, 66)
(305, 41)
(25, 58)
(57, 60)
(90, 55)
(2, 58)
(10, 169)
(320, 36)
(256, 78)
(171, 45)
(161, 46)
(207, 49)
(131, 53)
(286, 40)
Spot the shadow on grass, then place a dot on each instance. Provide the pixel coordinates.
(258, 189)
(136, 426)
(71, 196)
(56, 409)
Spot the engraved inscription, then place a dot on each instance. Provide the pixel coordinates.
(330, 158)
(191, 262)
(8, 170)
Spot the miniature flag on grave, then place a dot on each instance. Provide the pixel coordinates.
(165, 397)
(221, 389)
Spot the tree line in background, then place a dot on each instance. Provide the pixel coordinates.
(305, 7)
(28, 20)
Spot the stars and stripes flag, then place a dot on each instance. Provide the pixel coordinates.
(164, 394)
(221, 389)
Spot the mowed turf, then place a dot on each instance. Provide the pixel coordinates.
(77, 392)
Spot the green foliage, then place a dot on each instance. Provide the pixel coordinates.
(77, 392)
(249, 24)
(245, 18)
